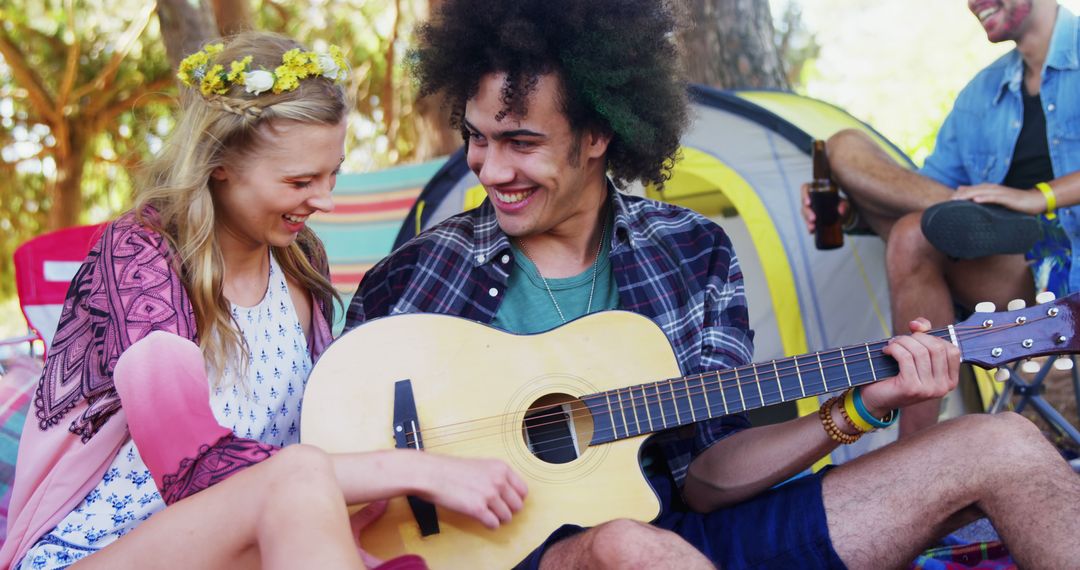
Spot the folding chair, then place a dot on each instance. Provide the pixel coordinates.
(1030, 391)
(44, 267)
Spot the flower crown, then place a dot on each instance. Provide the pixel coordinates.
(213, 79)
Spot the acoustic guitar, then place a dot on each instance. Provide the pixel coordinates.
(568, 409)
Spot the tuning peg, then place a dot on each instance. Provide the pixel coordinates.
(1017, 304)
(1045, 297)
(1030, 367)
(1063, 364)
(985, 307)
(1002, 374)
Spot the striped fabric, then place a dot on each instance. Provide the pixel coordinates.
(16, 390)
(671, 265)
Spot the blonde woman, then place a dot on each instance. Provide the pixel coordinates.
(164, 422)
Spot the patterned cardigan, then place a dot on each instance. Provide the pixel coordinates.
(126, 289)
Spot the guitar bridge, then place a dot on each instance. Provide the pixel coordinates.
(407, 436)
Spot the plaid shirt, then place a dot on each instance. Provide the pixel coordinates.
(671, 265)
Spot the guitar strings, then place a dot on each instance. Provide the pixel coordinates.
(628, 410)
(752, 379)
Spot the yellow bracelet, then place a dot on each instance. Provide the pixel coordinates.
(852, 414)
(1051, 200)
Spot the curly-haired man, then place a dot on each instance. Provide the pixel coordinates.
(555, 96)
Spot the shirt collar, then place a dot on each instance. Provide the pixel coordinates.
(1062, 53)
(489, 240)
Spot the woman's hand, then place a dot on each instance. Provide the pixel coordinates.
(1026, 201)
(485, 489)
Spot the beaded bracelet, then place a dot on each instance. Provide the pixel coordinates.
(825, 413)
(864, 414)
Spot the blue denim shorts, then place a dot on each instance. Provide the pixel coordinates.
(782, 528)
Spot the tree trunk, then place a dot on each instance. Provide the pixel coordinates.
(730, 44)
(185, 26)
(232, 16)
(434, 135)
(65, 193)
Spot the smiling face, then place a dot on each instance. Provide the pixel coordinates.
(264, 196)
(1003, 20)
(541, 176)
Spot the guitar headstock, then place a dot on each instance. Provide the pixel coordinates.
(991, 339)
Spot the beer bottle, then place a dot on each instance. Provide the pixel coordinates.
(825, 202)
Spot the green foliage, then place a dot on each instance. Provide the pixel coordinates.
(107, 112)
(374, 35)
(77, 95)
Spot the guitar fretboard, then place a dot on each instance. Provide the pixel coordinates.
(655, 406)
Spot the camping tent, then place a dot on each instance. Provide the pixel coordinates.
(744, 158)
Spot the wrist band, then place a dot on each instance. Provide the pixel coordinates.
(835, 434)
(860, 409)
(1051, 200)
(851, 414)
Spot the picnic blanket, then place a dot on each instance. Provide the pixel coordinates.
(16, 392)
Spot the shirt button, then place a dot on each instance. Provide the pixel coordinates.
(493, 292)
(506, 258)
(1050, 107)
(1057, 141)
(1016, 124)
(480, 258)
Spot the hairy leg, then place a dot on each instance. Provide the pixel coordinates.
(624, 544)
(882, 189)
(923, 282)
(286, 512)
(885, 507)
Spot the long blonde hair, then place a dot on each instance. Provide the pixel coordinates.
(176, 183)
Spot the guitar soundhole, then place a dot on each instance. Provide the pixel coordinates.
(554, 427)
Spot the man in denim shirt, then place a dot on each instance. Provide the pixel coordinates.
(1012, 140)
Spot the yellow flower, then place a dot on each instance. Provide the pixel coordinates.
(213, 49)
(339, 59)
(190, 66)
(237, 69)
(214, 81)
(285, 79)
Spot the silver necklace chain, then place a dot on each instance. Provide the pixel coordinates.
(592, 286)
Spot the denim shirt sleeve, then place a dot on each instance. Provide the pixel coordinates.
(946, 164)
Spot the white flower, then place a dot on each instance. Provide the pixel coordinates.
(329, 67)
(255, 82)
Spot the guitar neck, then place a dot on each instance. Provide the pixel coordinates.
(654, 406)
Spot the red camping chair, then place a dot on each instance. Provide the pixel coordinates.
(44, 267)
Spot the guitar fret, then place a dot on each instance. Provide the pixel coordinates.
(723, 398)
(611, 414)
(633, 406)
(622, 412)
(690, 400)
(660, 403)
(705, 392)
(798, 373)
(870, 361)
(779, 390)
(846, 373)
(738, 384)
(824, 383)
(757, 381)
(648, 413)
(675, 404)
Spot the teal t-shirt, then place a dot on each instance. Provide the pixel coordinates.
(527, 307)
